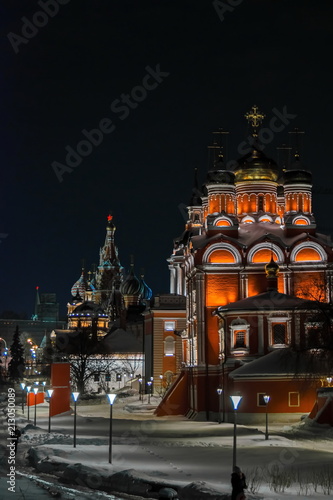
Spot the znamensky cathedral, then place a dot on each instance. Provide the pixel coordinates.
(253, 268)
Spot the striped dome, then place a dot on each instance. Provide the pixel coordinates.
(79, 287)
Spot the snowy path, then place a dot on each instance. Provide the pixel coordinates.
(175, 450)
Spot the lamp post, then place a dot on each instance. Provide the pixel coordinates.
(131, 375)
(235, 401)
(22, 387)
(219, 391)
(111, 397)
(140, 389)
(266, 399)
(49, 393)
(149, 390)
(28, 391)
(329, 380)
(44, 384)
(152, 384)
(75, 396)
(35, 391)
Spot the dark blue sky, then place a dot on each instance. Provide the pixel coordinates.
(67, 74)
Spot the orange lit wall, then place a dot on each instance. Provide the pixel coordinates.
(264, 256)
(307, 254)
(309, 285)
(221, 289)
(257, 283)
(212, 346)
(221, 257)
(175, 402)
(279, 392)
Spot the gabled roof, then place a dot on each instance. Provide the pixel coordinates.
(120, 341)
(278, 363)
(268, 301)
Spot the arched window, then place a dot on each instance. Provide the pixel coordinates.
(260, 203)
(222, 257)
(169, 346)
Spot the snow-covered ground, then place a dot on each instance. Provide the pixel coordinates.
(172, 450)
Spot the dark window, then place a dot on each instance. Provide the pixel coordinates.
(260, 203)
(279, 333)
(96, 377)
(107, 377)
(313, 338)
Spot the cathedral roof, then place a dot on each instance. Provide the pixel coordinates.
(88, 308)
(269, 301)
(284, 361)
(146, 291)
(80, 286)
(256, 166)
(249, 234)
(131, 285)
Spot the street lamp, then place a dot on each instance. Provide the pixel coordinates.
(75, 396)
(149, 390)
(44, 384)
(22, 387)
(266, 399)
(152, 384)
(219, 391)
(235, 401)
(131, 375)
(140, 389)
(111, 397)
(35, 391)
(329, 380)
(49, 393)
(28, 391)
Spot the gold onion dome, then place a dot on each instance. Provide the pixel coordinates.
(272, 269)
(255, 166)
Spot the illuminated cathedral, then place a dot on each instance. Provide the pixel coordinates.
(254, 269)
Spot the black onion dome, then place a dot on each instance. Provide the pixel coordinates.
(147, 292)
(220, 177)
(297, 173)
(131, 285)
(256, 166)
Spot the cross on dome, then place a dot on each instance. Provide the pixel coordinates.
(254, 117)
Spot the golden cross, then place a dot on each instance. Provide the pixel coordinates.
(255, 117)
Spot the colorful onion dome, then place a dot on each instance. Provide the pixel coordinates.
(79, 286)
(147, 292)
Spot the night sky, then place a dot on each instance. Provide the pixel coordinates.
(213, 66)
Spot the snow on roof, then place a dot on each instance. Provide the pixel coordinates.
(121, 341)
(268, 301)
(280, 362)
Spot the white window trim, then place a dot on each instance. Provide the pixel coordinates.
(172, 326)
(279, 319)
(239, 350)
(298, 399)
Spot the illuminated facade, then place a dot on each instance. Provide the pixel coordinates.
(241, 221)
